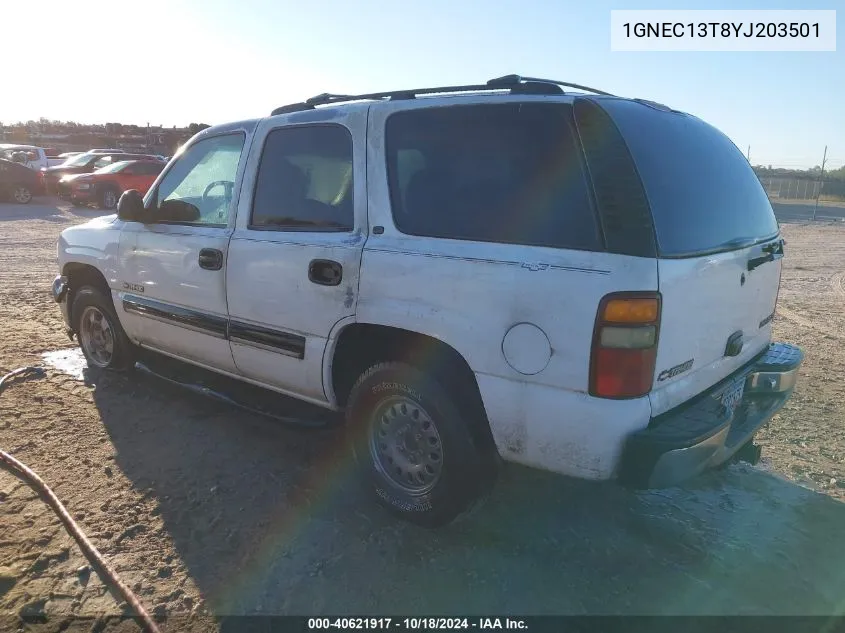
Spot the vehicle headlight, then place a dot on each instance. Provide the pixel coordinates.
(83, 186)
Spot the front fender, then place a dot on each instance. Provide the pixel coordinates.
(95, 243)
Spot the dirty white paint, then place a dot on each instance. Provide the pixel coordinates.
(526, 348)
(68, 361)
(696, 325)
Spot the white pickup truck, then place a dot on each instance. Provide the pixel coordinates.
(472, 273)
(31, 156)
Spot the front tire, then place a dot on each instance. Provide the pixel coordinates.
(101, 337)
(22, 194)
(108, 198)
(413, 447)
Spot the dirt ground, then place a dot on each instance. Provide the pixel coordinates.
(204, 509)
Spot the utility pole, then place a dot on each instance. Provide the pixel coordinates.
(821, 183)
(748, 154)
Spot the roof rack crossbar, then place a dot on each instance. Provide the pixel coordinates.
(512, 83)
(511, 80)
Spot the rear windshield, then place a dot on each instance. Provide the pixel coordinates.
(703, 194)
(507, 173)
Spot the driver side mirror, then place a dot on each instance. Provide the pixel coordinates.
(130, 207)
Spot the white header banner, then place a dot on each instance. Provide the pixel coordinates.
(723, 30)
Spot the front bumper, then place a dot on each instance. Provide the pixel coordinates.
(60, 295)
(79, 196)
(704, 432)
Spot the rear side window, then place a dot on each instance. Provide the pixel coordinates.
(703, 194)
(304, 180)
(508, 173)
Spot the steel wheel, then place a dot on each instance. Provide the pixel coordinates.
(109, 199)
(22, 194)
(405, 445)
(96, 336)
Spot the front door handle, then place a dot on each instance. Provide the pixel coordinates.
(211, 259)
(325, 272)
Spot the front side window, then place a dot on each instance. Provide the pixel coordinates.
(507, 173)
(200, 185)
(305, 180)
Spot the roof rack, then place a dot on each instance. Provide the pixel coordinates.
(516, 84)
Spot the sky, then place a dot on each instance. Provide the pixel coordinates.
(173, 62)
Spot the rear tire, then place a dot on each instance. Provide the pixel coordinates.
(101, 337)
(413, 447)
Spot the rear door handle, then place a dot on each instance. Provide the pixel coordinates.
(211, 259)
(325, 272)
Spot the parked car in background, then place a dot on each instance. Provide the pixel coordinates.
(85, 164)
(67, 155)
(104, 186)
(30, 156)
(18, 183)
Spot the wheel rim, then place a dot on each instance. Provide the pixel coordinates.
(22, 195)
(406, 446)
(109, 199)
(96, 336)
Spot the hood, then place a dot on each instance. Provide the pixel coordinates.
(58, 170)
(102, 221)
(74, 177)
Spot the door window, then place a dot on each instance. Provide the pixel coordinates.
(305, 180)
(200, 185)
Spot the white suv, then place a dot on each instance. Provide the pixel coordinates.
(570, 280)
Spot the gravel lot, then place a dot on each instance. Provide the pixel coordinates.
(204, 509)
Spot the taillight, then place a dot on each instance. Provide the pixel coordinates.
(625, 345)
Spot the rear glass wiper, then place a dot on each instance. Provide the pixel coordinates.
(772, 252)
(737, 243)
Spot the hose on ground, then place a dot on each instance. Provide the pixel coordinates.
(98, 563)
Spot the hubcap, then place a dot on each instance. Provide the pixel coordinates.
(110, 199)
(406, 446)
(22, 195)
(96, 336)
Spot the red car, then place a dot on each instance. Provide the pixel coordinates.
(104, 186)
(85, 164)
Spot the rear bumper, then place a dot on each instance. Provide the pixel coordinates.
(704, 433)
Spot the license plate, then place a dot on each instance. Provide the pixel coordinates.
(733, 396)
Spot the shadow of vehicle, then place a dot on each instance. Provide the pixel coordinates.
(269, 519)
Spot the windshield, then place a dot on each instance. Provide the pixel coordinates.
(114, 168)
(9, 153)
(77, 161)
